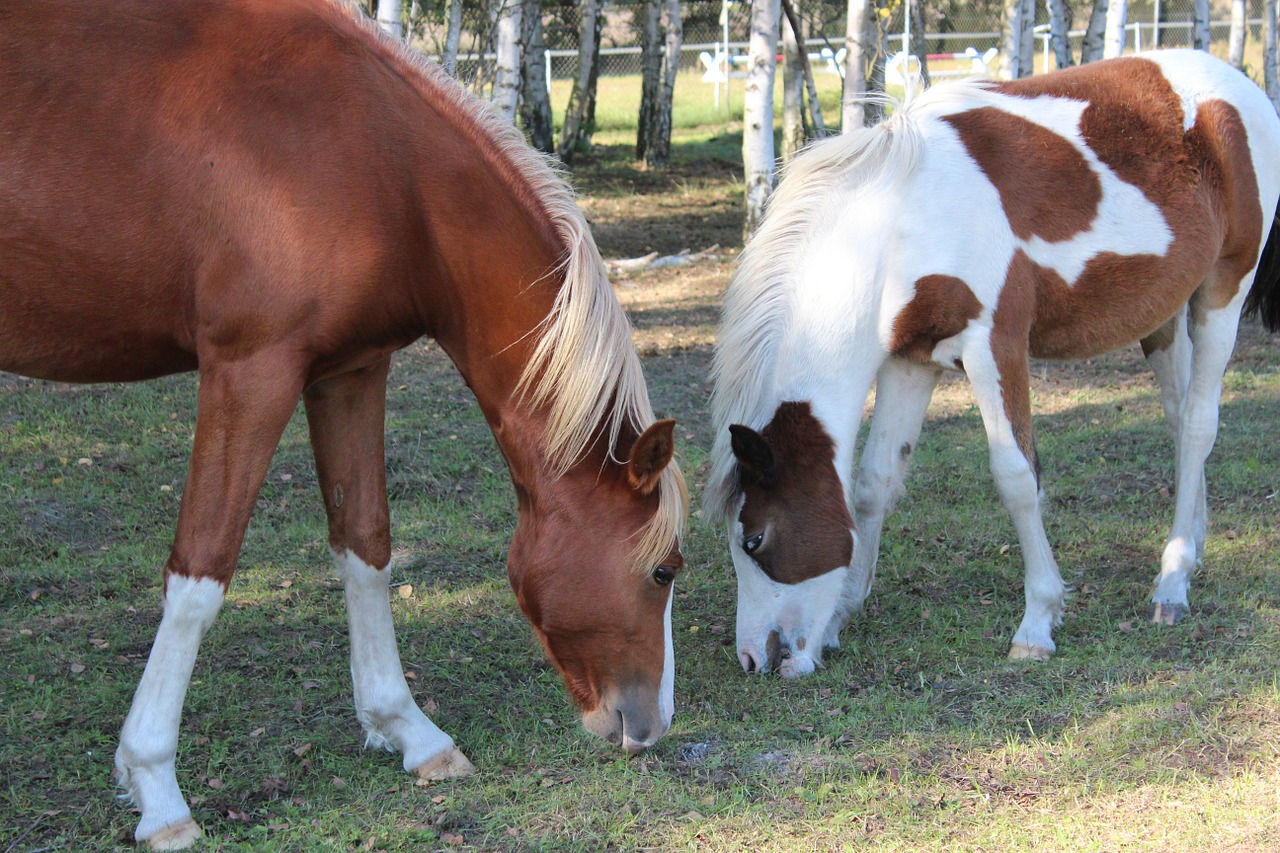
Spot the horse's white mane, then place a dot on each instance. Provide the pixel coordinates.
(756, 308)
(584, 368)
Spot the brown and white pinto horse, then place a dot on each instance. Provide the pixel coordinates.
(270, 193)
(1059, 216)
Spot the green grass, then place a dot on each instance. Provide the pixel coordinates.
(916, 734)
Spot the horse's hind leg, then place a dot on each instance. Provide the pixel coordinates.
(1213, 336)
(903, 391)
(1001, 385)
(242, 410)
(346, 417)
(1168, 352)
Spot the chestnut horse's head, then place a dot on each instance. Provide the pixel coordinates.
(593, 564)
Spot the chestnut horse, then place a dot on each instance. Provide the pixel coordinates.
(273, 194)
(1059, 216)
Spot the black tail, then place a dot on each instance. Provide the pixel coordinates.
(1264, 296)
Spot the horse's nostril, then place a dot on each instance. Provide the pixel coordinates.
(773, 650)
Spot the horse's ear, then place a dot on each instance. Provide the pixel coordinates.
(755, 457)
(651, 455)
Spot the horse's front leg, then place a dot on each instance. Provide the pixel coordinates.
(242, 409)
(998, 370)
(903, 391)
(346, 415)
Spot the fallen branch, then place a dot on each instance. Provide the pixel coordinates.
(653, 261)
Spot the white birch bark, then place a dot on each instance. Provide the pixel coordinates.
(792, 94)
(1017, 39)
(858, 50)
(1113, 40)
(535, 100)
(454, 34)
(506, 76)
(1200, 25)
(1059, 28)
(1239, 32)
(389, 18)
(1270, 81)
(575, 130)
(1095, 34)
(757, 114)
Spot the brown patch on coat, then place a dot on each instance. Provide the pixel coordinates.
(802, 509)
(1046, 186)
(1222, 143)
(1201, 179)
(1010, 338)
(941, 308)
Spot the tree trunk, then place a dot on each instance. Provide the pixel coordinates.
(795, 26)
(506, 77)
(1239, 31)
(1117, 16)
(389, 18)
(535, 100)
(1271, 84)
(1200, 25)
(1017, 41)
(757, 113)
(658, 147)
(578, 115)
(452, 37)
(916, 39)
(859, 47)
(793, 132)
(1059, 29)
(650, 73)
(1095, 35)
(875, 110)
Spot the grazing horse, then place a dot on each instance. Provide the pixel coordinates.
(275, 195)
(1059, 216)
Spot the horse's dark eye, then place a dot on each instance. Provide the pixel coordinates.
(750, 545)
(663, 576)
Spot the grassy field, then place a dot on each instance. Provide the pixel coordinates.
(917, 734)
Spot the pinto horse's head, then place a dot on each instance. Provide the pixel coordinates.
(792, 542)
(597, 584)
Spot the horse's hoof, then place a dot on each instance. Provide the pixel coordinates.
(178, 835)
(450, 764)
(1021, 651)
(1167, 614)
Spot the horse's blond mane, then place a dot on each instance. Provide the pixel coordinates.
(756, 308)
(584, 368)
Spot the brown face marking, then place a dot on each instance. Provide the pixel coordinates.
(941, 308)
(1046, 186)
(801, 508)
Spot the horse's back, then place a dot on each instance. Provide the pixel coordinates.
(1115, 190)
(169, 168)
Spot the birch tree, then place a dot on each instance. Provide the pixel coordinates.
(916, 37)
(1270, 83)
(535, 100)
(1017, 39)
(506, 76)
(452, 36)
(658, 145)
(389, 18)
(1113, 40)
(793, 133)
(1239, 31)
(864, 64)
(580, 114)
(1095, 34)
(1059, 29)
(650, 72)
(1200, 25)
(757, 113)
